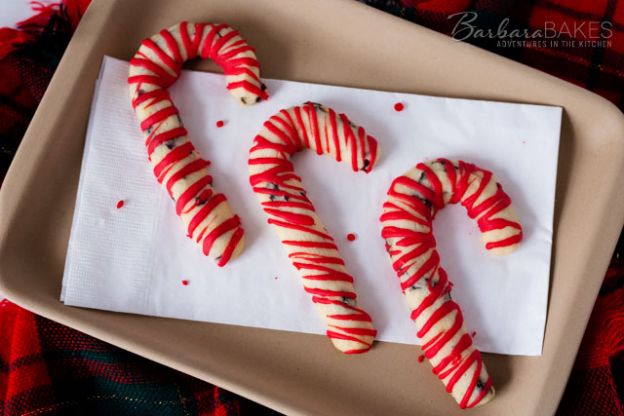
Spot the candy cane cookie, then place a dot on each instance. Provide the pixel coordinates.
(413, 201)
(309, 245)
(177, 164)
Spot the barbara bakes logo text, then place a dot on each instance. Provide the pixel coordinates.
(588, 34)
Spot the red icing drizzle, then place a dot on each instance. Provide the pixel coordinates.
(421, 358)
(399, 107)
(414, 255)
(149, 90)
(220, 123)
(283, 198)
(120, 203)
(351, 237)
(185, 282)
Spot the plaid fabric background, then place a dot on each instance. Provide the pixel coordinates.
(46, 368)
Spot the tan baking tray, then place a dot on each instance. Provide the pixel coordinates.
(336, 42)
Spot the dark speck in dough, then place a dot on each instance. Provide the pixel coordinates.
(348, 301)
(425, 201)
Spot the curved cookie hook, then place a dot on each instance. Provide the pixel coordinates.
(306, 240)
(177, 164)
(413, 201)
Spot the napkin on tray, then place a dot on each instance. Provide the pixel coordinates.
(137, 258)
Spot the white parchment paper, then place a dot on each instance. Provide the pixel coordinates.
(134, 259)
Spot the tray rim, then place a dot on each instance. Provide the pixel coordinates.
(30, 151)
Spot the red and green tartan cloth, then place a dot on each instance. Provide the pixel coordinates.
(47, 368)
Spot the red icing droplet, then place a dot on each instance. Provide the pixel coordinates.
(185, 282)
(351, 237)
(473, 334)
(120, 203)
(220, 124)
(421, 358)
(399, 107)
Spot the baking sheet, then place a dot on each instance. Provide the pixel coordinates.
(292, 372)
(141, 255)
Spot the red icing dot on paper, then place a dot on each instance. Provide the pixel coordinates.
(473, 333)
(421, 358)
(220, 124)
(351, 237)
(185, 282)
(399, 107)
(120, 203)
